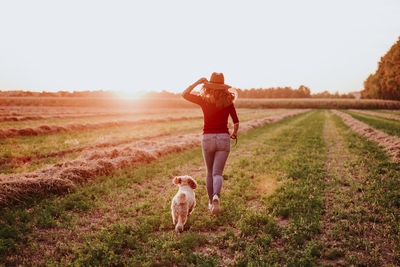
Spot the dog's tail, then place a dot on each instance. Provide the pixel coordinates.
(181, 198)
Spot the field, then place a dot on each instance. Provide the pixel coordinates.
(82, 103)
(88, 186)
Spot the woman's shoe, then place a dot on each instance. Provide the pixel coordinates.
(215, 205)
(210, 206)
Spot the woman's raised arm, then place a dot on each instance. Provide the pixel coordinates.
(191, 87)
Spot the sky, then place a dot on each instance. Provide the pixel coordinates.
(136, 46)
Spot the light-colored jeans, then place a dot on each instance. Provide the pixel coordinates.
(216, 149)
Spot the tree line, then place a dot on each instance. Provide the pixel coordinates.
(385, 82)
(287, 92)
(273, 92)
(21, 93)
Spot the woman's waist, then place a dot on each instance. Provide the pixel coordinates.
(216, 135)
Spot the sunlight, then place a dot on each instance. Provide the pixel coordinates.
(130, 95)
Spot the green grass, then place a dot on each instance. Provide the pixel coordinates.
(368, 215)
(389, 126)
(255, 227)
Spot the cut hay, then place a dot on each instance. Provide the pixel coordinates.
(103, 161)
(61, 176)
(390, 143)
(53, 129)
(378, 114)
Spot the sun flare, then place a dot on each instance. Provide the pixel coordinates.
(123, 95)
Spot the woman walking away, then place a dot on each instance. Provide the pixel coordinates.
(216, 101)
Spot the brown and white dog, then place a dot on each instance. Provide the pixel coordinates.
(184, 201)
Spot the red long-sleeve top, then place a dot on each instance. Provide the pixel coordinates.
(215, 119)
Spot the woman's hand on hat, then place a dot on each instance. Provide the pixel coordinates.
(202, 80)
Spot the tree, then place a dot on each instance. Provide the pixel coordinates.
(385, 82)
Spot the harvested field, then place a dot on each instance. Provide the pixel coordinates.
(121, 119)
(297, 191)
(80, 117)
(389, 142)
(379, 114)
(315, 103)
(178, 102)
(53, 129)
(345, 203)
(388, 126)
(300, 188)
(387, 111)
(102, 162)
(24, 153)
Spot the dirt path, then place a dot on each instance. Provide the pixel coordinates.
(349, 229)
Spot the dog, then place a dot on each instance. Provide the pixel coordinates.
(184, 201)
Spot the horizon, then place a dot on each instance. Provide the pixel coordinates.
(331, 46)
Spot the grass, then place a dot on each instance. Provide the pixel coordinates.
(286, 199)
(394, 112)
(389, 126)
(136, 230)
(367, 206)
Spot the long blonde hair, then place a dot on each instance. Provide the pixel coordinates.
(221, 98)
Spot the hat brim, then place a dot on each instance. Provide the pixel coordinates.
(217, 86)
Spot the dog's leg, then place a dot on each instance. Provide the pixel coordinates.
(179, 225)
(191, 208)
(184, 219)
(173, 217)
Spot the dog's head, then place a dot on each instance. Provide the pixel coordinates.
(185, 180)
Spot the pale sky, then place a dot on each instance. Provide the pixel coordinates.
(134, 46)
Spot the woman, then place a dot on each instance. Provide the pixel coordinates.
(216, 101)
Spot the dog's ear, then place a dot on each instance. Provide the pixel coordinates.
(177, 180)
(192, 183)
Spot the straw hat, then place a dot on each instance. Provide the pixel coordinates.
(217, 82)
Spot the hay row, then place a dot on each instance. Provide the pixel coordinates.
(76, 116)
(54, 110)
(14, 116)
(53, 129)
(67, 112)
(390, 143)
(62, 176)
(378, 114)
(34, 116)
(59, 154)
